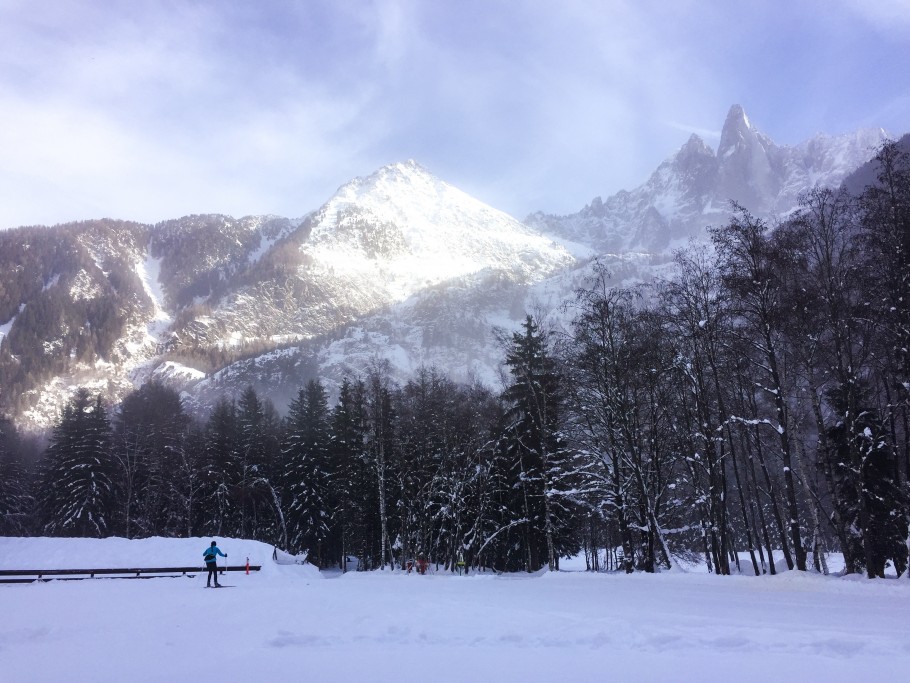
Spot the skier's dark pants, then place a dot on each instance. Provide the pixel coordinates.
(213, 572)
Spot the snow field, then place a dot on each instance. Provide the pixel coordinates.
(293, 623)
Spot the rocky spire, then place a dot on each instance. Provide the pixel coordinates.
(695, 146)
(737, 131)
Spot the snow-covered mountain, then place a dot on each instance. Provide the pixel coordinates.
(693, 188)
(403, 230)
(378, 241)
(398, 266)
(398, 253)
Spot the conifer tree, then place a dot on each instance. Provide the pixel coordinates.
(149, 433)
(15, 496)
(538, 457)
(885, 236)
(219, 510)
(254, 490)
(355, 513)
(75, 491)
(307, 474)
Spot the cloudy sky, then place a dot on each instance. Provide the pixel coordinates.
(155, 110)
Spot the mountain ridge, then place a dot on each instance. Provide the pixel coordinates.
(693, 187)
(396, 265)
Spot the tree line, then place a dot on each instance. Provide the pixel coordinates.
(753, 404)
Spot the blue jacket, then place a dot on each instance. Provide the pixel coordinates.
(210, 553)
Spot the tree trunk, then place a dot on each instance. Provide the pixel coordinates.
(770, 492)
(786, 453)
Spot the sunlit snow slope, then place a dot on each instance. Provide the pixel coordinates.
(402, 229)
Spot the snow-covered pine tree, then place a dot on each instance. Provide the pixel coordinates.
(258, 451)
(307, 474)
(189, 483)
(149, 432)
(219, 509)
(442, 426)
(461, 492)
(538, 455)
(422, 461)
(15, 496)
(885, 209)
(75, 492)
(356, 511)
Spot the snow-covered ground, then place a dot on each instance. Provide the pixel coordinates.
(290, 623)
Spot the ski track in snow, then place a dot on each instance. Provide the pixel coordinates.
(289, 622)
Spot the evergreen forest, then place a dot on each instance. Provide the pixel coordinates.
(754, 404)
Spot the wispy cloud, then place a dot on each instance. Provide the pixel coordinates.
(707, 133)
(153, 110)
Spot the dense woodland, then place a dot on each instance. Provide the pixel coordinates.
(756, 404)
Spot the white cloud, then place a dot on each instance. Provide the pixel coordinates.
(149, 111)
(159, 126)
(704, 133)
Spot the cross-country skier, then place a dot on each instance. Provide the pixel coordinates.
(210, 555)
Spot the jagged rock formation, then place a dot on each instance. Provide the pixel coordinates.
(694, 187)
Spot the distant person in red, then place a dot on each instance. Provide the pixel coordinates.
(421, 564)
(210, 555)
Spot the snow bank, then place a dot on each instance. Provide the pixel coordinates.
(95, 553)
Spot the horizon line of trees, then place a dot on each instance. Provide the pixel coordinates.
(755, 403)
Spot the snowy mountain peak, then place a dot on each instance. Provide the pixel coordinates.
(402, 229)
(416, 202)
(694, 147)
(738, 114)
(396, 175)
(693, 188)
(408, 167)
(736, 133)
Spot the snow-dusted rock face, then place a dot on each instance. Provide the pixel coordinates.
(693, 189)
